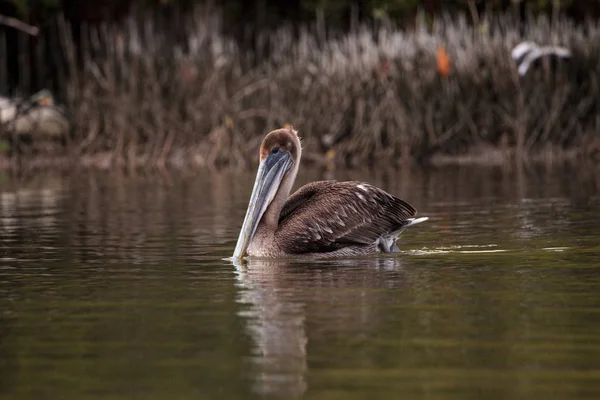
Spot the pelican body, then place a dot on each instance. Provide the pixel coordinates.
(321, 219)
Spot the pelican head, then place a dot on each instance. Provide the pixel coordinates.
(278, 162)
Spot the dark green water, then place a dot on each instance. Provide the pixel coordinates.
(114, 286)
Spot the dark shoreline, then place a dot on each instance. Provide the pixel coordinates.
(484, 157)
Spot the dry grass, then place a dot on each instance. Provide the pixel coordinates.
(371, 96)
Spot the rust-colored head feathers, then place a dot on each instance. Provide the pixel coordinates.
(285, 138)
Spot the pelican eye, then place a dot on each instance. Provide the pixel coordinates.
(275, 150)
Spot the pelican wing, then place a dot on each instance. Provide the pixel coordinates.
(328, 215)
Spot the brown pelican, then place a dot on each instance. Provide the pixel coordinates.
(321, 219)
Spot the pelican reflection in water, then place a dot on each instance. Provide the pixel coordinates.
(321, 219)
(282, 300)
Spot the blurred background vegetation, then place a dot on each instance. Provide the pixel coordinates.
(157, 80)
(245, 20)
(264, 14)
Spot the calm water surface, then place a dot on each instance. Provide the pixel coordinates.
(114, 286)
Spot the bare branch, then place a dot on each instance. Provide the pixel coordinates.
(20, 25)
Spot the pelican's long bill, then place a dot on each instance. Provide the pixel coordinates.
(268, 178)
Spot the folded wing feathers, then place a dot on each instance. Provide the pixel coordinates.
(328, 215)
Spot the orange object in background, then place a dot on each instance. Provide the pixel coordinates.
(443, 62)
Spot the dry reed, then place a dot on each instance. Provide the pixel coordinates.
(370, 96)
